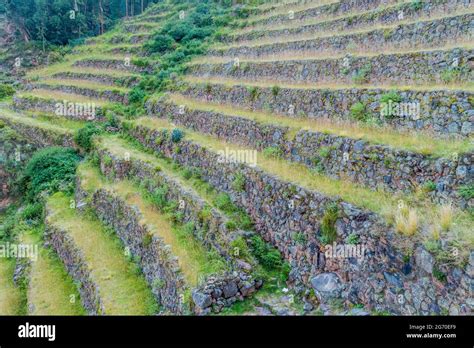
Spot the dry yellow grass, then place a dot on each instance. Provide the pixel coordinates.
(446, 213)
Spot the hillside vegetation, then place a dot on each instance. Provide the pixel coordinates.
(295, 157)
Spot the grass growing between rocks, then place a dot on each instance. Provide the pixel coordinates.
(51, 290)
(122, 288)
(10, 296)
(195, 262)
(417, 142)
(384, 203)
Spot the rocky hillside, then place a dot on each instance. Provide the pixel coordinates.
(315, 158)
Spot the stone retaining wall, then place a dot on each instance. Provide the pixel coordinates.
(400, 68)
(372, 165)
(115, 64)
(105, 79)
(443, 112)
(440, 31)
(380, 16)
(76, 266)
(387, 278)
(111, 95)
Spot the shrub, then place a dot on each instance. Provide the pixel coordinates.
(358, 112)
(239, 182)
(416, 5)
(231, 225)
(254, 93)
(268, 256)
(299, 238)
(273, 152)
(224, 203)
(328, 224)
(177, 135)
(159, 196)
(324, 152)
(6, 91)
(429, 186)
(187, 174)
(240, 248)
(32, 211)
(466, 191)
(136, 95)
(84, 136)
(275, 90)
(161, 43)
(450, 75)
(51, 169)
(147, 239)
(353, 238)
(390, 96)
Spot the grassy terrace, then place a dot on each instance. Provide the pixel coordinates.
(428, 215)
(51, 290)
(326, 34)
(122, 290)
(84, 84)
(193, 259)
(229, 82)
(294, 24)
(44, 121)
(61, 96)
(68, 62)
(98, 72)
(291, 56)
(293, 6)
(10, 297)
(416, 142)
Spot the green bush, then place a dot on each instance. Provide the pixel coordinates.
(136, 95)
(429, 186)
(362, 75)
(359, 112)
(6, 91)
(466, 191)
(32, 211)
(177, 135)
(273, 152)
(268, 256)
(159, 196)
(84, 136)
(51, 169)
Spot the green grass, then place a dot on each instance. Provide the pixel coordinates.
(193, 259)
(51, 290)
(122, 289)
(10, 296)
(418, 142)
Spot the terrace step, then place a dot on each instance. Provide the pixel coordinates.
(140, 27)
(417, 67)
(442, 31)
(100, 76)
(50, 289)
(108, 282)
(395, 13)
(359, 159)
(172, 277)
(316, 11)
(133, 39)
(126, 64)
(10, 297)
(86, 88)
(69, 105)
(439, 110)
(41, 132)
(298, 198)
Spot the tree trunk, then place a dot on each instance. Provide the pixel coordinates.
(142, 7)
(101, 17)
(126, 8)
